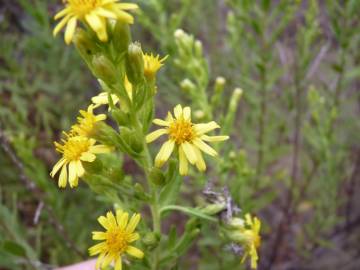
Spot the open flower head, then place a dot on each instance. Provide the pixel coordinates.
(190, 139)
(152, 64)
(116, 240)
(93, 12)
(87, 122)
(251, 239)
(103, 97)
(75, 150)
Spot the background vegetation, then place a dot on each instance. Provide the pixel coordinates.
(294, 159)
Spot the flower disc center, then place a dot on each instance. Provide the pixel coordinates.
(116, 241)
(83, 7)
(74, 148)
(181, 131)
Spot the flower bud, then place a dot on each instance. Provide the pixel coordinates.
(198, 48)
(187, 85)
(121, 118)
(104, 69)
(132, 139)
(140, 192)
(157, 177)
(199, 114)
(93, 167)
(219, 84)
(213, 209)
(135, 63)
(105, 134)
(235, 98)
(84, 44)
(236, 223)
(179, 33)
(121, 37)
(136, 142)
(237, 236)
(151, 240)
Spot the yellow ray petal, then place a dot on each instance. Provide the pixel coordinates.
(155, 134)
(183, 167)
(204, 128)
(57, 166)
(61, 24)
(189, 152)
(204, 147)
(70, 30)
(178, 111)
(135, 252)
(164, 153)
(161, 122)
(123, 221)
(63, 177)
(133, 223)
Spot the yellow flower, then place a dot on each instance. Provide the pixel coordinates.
(93, 12)
(103, 97)
(75, 150)
(87, 122)
(152, 64)
(187, 137)
(117, 238)
(252, 240)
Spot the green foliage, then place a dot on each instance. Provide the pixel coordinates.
(293, 127)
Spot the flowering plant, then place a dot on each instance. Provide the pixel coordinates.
(117, 123)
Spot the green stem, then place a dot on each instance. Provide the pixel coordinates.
(154, 207)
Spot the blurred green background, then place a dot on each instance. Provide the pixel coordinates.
(295, 154)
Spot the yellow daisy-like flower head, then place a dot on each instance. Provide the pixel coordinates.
(189, 138)
(252, 239)
(75, 150)
(116, 239)
(87, 122)
(93, 12)
(152, 64)
(103, 99)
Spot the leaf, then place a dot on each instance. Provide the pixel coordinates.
(14, 248)
(172, 237)
(171, 190)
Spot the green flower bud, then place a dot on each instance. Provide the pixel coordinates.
(218, 90)
(219, 84)
(151, 240)
(121, 118)
(137, 142)
(135, 63)
(85, 45)
(133, 139)
(105, 134)
(198, 48)
(236, 223)
(238, 236)
(140, 192)
(157, 177)
(121, 37)
(94, 167)
(187, 86)
(199, 114)
(213, 209)
(104, 69)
